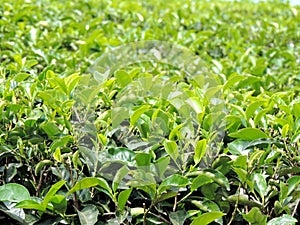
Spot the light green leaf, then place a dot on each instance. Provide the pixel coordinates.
(57, 155)
(59, 203)
(123, 78)
(89, 215)
(283, 220)
(13, 193)
(123, 197)
(293, 183)
(207, 218)
(31, 204)
(175, 180)
(88, 182)
(171, 148)
(54, 188)
(137, 113)
(248, 134)
(200, 151)
(121, 173)
(200, 180)
(161, 165)
(255, 217)
(260, 184)
(178, 217)
(50, 128)
(21, 77)
(137, 211)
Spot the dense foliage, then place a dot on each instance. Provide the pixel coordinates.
(140, 170)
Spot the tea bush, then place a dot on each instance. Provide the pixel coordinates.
(145, 157)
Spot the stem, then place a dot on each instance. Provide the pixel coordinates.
(161, 218)
(73, 183)
(296, 207)
(235, 207)
(185, 197)
(175, 203)
(146, 212)
(38, 187)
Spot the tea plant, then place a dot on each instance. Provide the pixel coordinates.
(74, 150)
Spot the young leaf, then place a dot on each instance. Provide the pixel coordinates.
(121, 173)
(59, 203)
(89, 215)
(31, 204)
(175, 180)
(137, 113)
(200, 151)
(207, 218)
(123, 197)
(54, 188)
(199, 181)
(260, 184)
(171, 148)
(248, 134)
(88, 182)
(255, 217)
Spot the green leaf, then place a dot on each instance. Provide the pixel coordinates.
(13, 193)
(260, 184)
(136, 211)
(137, 113)
(121, 173)
(88, 182)
(178, 217)
(143, 180)
(123, 78)
(233, 80)
(54, 188)
(243, 200)
(252, 108)
(21, 77)
(143, 159)
(293, 182)
(171, 148)
(118, 115)
(123, 197)
(175, 180)
(283, 220)
(218, 177)
(283, 192)
(41, 165)
(161, 165)
(196, 104)
(284, 130)
(31, 204)
(50, 128)
(71, 82)
(57, 155)
(255, 217)
(200, 151)
(89, 215)
(199, 181)
(207, 218)
(166, 195)
(61, 142)
(59, 203)
(248, 134)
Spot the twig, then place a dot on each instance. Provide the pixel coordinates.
(235, 207)
(175, 204)
(38, 187)
(296, 207)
